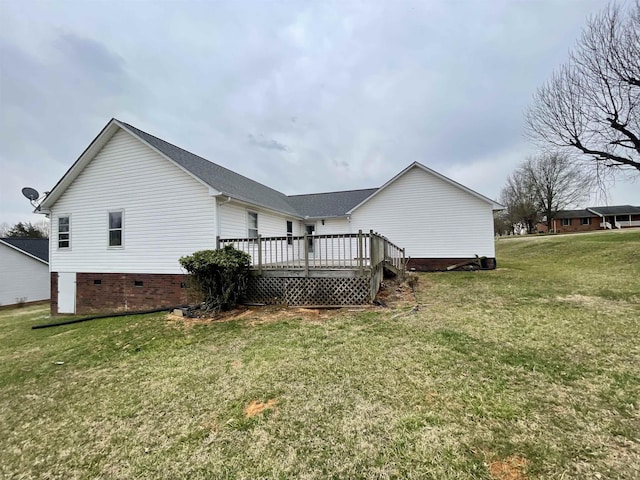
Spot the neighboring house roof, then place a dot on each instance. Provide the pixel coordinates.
(228, 183)
(615, 210)
(37, 248)
(330, 204)
(572, 214)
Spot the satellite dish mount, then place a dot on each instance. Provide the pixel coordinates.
(32, 195)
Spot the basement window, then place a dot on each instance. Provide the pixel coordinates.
(585, 221)
(97, 282)
(138, 283)
(115, 228)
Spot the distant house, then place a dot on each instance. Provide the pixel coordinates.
(24, 270)
(133, 204)
(594, 218)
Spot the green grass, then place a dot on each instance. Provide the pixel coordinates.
(537, 361)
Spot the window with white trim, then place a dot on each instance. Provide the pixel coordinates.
(289, 232)
(566, 222)
(585, 221)
(252, 222)
(64, 232)
(116, 223)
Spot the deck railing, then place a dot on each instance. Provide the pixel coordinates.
(333, 251)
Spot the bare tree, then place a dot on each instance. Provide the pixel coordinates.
(519, 198)
(591, 104)
(556, 183)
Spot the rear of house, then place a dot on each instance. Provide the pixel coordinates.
(133, 204)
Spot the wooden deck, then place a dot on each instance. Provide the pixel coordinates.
(336, 269)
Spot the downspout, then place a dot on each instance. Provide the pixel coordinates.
(218, 205)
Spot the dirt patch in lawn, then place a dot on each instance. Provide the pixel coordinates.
(263, 315)
(596, 303)
(256, 407)
(510, 468)
(396, 294)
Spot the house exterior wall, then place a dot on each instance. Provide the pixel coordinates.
(429, 217)
(22, 278)
(234, 222)
(575, 225)
(333, 225)
(167, 213)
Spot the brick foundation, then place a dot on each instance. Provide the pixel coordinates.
(113, 292)
(441, 264)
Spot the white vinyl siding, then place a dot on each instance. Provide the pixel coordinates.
(22, 278)
(234, 221)
(169, 214)
(429, 217)
(333, 225)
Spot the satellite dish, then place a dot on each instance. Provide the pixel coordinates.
(31, 193)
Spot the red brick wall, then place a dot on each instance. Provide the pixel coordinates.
(441, 264)
(112, 292)
(574, 225)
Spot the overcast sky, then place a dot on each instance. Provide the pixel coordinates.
(301, 96)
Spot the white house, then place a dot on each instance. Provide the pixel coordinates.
(24, 270)
(133, 204)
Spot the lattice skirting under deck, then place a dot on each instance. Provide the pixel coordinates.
(308, 290)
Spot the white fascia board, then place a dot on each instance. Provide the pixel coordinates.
(494, 205)
(601, 215)
(23, 252)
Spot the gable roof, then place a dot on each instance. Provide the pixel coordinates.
(220, 179)
(228, 183)
(329, 204)
(37, 248)
(225, 181)
(615, 210)
(495, 205)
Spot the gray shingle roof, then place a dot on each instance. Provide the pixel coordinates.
(220, 178)
(616, 210)
(38, 247)
(331, 204)
(573, 214)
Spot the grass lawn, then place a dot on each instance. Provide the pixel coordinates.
(531, 371)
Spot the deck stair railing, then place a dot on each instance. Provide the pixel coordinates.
(354, 251)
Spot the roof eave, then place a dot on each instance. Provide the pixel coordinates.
(24, 252)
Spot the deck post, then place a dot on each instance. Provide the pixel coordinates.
(404, 263)
(360, 252)
(306, 255)
(373, 249)
(259, 254)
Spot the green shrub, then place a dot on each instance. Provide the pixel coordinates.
(221, 275)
